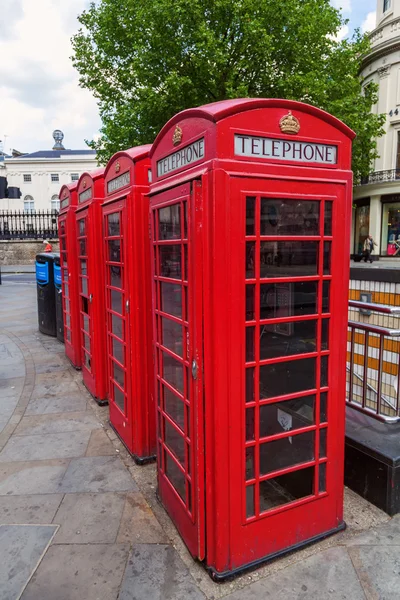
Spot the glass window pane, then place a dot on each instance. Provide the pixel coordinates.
(175, 441)
(116, 301)
(250, 510)
(289, 217)
(327, 257)
(250, 424)
(288, 299)
(287, 416)
(114, 224)
(250, 463)
(118, 351)
(287, 377)
(175, 475)
(171, 298)
(119, 398)
(173, 372)
(325, 334)
(84, 286)
(322, 442)
(83, 264)
(324, 407)
(326, 286)
(328, 218)
(116, 276)
(250, 215)
(86, 323)
(324, 371)
(250, 302)
(322, 477)
(117, 326)
(250, 254)
(172, 336)
(86, 342)
(118, 375)
(250, 384)
(288, 259)
(285, 339)
(286, 488)
(250, 347)
(169, 222)
(114, 250)
(286, 452)
(82, 247)
(174, 407)
(185, 224)
(170, 261)
(82, 226)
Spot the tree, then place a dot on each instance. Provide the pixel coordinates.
(145, 60)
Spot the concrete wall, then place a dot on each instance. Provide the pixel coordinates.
(22, 252)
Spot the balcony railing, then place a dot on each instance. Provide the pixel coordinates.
(381, 177)
(373, 360)
(18, 224)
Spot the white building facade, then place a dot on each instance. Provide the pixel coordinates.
(377, 199)
(41, 174)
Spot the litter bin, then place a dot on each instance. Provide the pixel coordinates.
(45, 293)
(58, 298)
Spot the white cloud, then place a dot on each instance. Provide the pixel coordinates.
(344, 5)
(369, 22)
(39, 88)
(342, 33)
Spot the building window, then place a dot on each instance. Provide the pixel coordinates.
(390, 244)
(55, 203)
(386, 5)
(361, 226)
(74, 176)
(55, 177)
(27, 178)
(29, 204)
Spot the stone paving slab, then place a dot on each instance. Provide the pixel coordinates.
(21, 548)
(156, 572)
(45, 447)
(7, 405)
(385, 535)
(97, 474)
(89, 518)
(37, 477)
(57, 423)
(138, 523)
(79, 572)
(31, 509)
(326, 575)
(3, 423)
(11, 371)
(72, 402)
(378, 568)
(99, 444)
(11, 387)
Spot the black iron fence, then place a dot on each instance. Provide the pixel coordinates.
(381, 176)
(23, 225)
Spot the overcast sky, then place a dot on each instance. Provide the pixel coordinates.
(39, 89)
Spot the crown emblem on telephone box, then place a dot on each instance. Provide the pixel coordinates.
(117, 167)
(289, 124)
(178, 135)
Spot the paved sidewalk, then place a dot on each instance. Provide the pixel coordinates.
(79, 520)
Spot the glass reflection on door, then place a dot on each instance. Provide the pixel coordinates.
(116, 297)
(287, 286)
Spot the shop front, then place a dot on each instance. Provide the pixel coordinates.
(390, 237)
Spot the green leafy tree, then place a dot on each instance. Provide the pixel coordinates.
(145, 60)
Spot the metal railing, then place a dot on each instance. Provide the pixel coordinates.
(381, 177)
(373, 365)
(19, 224)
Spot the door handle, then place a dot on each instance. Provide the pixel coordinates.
(195, 369)
(127, 307)
(90, 298)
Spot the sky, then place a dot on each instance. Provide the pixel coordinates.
(39, 89)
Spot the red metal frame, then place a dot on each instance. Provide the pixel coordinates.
(90, 196)
(271, 366)
(69, 273)
(125, 214)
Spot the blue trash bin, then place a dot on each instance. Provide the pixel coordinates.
(46, 293)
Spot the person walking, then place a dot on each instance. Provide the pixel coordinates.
(49, 247)
(368, 248)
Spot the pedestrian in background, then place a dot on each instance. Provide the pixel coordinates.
(368, 248)
(48, 247)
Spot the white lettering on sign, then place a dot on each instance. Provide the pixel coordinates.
(306, 152)
(86, 195)
(186, 156)
(119, 182)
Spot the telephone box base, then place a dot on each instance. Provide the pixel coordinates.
(139, 460)
(227, 575)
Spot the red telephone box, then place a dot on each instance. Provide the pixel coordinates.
(128, 301)
(90, 196)
(69, 272)
(251, 213)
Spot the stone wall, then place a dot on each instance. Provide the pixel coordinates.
(22, 252)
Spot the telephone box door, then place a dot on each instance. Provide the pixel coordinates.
(66, 294)
(117, 309)
(85, 301)
(177, 293)
(287, 416)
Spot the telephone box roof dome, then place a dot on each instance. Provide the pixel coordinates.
(216, 111)
(135, 153)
